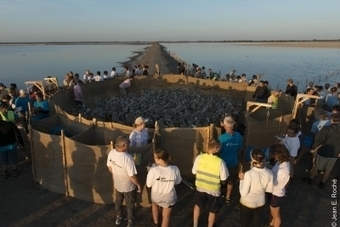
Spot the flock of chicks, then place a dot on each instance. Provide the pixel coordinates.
(171, 107)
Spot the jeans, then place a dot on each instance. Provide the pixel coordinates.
(9, 155)
(251, 216)
(130, 198)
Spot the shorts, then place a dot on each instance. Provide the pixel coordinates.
(274, 201)
(204, 200)
(233, 171)
(323, 163)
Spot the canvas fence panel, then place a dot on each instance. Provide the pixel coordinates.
(87, 137)
(57, 122)
(87, 175)
(103, 136)
(184, 144)
(48, 161)
(306, 116)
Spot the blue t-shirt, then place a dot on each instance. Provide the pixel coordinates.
(23, 103)
(230, 147)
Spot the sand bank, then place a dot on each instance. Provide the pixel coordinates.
(312, 44)
(155, 54)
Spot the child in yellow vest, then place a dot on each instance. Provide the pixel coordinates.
(210, 170)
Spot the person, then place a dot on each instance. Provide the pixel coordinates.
(127, 71)
(231, 145)
(123, 170)
(332, 98)
(210, 171)
(261, 93)
(145, 70)
(253, 185)
(292, 142)
(41, 108)
(309, 101)
(68, 81)
(78, 94)
(98, 77)
(139, 136)
(322, 120)
(125, 85)
(3, 90)
(139, 70)
(6, 114)
(114, 72)
(281, 175)
(181, 68)
(105, 75)
(291, 89)
(327, 147)
(274, 99)
(162, 180)
(21, 104)
(13, 96)
(10, 136)
(86, 77)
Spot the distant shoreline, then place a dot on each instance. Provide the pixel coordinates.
(274, 43)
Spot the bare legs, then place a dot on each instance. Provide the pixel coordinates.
(211, 217)
(166, 212)
(276, 217)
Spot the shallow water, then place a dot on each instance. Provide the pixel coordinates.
(20, 63)
(276, 64)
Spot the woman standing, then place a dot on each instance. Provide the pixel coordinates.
(139, 136)
(281, 175)
(9, 138)
(162, 180)
(253, 185)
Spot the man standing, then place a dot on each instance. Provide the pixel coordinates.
(210, 170)
(261, 93)
(291, 88)
(327, 145)
(231, 145)
(78, 94)
(124, 172)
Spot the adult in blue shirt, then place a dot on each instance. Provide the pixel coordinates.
(21, 105)
(231, 145)
(41, 108)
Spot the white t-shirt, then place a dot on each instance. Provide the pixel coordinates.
(162, 181)
(138, 139)
(114, 74)
(123, 167)
(97, 78)
(256, 182)
(224, 174)
(292, 144)
(281, 176)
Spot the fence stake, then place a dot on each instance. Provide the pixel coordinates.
(64, 162)
(34, 170)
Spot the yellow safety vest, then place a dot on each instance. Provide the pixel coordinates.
(208, 172)
(276, 101)
(10, 116)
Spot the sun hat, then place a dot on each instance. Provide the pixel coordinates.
(140, 120)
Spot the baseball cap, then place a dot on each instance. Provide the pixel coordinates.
(140, 120)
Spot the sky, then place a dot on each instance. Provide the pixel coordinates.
(164, 20)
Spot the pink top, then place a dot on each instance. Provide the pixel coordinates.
(78, 96)
(126, 83)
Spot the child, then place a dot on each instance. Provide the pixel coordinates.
(210, 170)
(162, 180)
(124, 85)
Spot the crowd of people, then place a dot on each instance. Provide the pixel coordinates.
(219, 168)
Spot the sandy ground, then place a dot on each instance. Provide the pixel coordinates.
(315, 44)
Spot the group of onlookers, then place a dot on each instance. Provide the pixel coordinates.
(14, 108)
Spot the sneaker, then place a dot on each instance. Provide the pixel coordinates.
(322, 185)
(129, 224)
(119, 220)
(227, 200)
(5, 174)
(16, 172)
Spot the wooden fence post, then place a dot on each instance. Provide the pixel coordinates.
(34, 170)
(63, 149)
